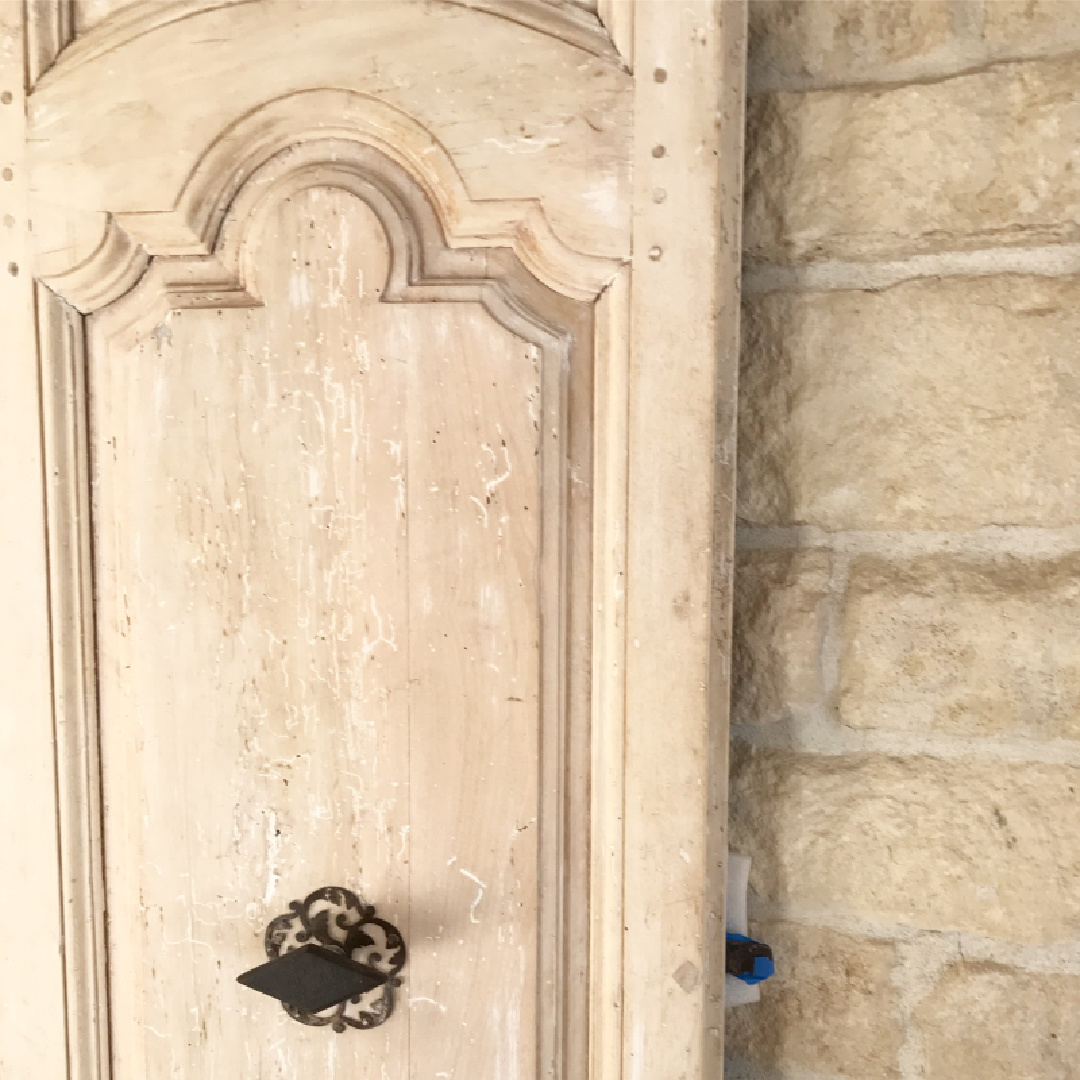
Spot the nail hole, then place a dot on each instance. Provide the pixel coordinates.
(659, 195)
(655, 253)
(13, 269)
(6, 97)
(660, 75)
(659, 151)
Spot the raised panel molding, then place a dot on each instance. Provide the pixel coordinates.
(197, 256)
(301, 124)
(86, 29)
(62, 358)
(575, 23)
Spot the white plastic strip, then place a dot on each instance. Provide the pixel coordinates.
(736, 992)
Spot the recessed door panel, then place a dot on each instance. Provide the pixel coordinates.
(318, 558)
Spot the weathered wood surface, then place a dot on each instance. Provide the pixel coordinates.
(508, 103)
(409, 594)
(672, 682)
(31, 972)
(318, 622)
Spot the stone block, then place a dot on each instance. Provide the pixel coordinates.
(1013, 28)
(949, 404)
(991, 158)
(963, 647)
(841, 41)
(830, 1008)
(972, 845)
(989, 1022)
(779, 596)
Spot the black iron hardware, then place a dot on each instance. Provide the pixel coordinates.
(332, 962)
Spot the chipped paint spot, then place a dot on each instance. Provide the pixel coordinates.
(479, 894)
(603, 197)
(273, 855)
(414, 1001)
(299, 289)
(482, 508)
(526, 145)
(500, 478)
(637, 1052)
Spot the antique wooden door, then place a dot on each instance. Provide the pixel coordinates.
(367, 405)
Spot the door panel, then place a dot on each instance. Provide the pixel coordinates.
(318, 565)
(376, 412)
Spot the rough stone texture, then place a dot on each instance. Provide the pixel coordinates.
(832, 41)
(993, 1023)
(983, 159)
(777, 632)
(963, 647)
(830, 1008)
(972, 845)
(878, 130)
(1024, 27)
(823, 44)
(946, 403)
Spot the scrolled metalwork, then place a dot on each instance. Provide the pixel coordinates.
(341, 921)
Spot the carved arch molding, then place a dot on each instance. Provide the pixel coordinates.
(444, 248)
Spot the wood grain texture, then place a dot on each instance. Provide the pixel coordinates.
(573, 21)
(302, 123)
(31, 972)
(454, 775)
(62, 353)
(314, 628)
(672, 409)
(49, 29)
(449, 729)
(618, 19)
(549, 108)
(608, 790)
(731, 120)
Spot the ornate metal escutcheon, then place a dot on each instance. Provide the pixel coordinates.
(331, 961)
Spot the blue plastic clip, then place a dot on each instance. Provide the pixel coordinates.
(748, 960)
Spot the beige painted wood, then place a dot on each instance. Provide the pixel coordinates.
(731, 122)
(609, 675)
(32, 1003)
(169, 58)
(316, 585)
(88, 13)
(672, 681)
(378, 408)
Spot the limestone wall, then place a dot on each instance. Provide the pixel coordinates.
(906, 754)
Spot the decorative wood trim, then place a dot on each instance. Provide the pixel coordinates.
(116, 266)
(618, 19)
(61, 348)
(423, 268)
(611, 441)
(32, 1021)
(50, 28)
(297, 120)
(731, 119)
(567, 23)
